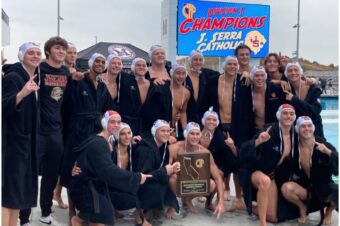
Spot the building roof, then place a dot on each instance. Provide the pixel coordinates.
(126, 51)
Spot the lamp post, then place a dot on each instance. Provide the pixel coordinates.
(297, 26)
(59, 18)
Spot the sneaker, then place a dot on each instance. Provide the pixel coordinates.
(49, 220)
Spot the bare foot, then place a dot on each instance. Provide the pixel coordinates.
(327, 220)
(118, 215)
(303, 217)
(138, 219)
(238, 204)
(60, 202)
(146, 223)
(201, 199)
(227, 195)
(170, 213)
(189, 205)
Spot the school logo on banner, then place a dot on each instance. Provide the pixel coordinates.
(217, 28)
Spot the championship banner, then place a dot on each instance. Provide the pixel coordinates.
(217, 28)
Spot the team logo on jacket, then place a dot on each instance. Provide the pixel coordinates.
(276, 148)
(57, 93)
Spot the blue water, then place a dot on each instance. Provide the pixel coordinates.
(330, 120)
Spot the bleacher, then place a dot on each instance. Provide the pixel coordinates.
(328, 79)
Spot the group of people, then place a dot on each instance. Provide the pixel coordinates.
(114, 137)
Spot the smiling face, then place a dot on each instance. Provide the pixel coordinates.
(98, 66)
(113, 124)
(125, 137)
(57, 54)
(179, 75)
(197, 62)
(115, 66)
(231, 67)
(193, 137)
(259, 79)
(243, 56)
(163, 134)
(272, 64)
(306, 130)
(293, 74)
(210, 123)
(140, 68)
(32, 58)
(287, 117)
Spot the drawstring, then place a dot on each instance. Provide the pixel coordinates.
(163, 155)
(118, 91)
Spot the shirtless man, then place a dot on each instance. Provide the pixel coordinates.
(242, 53)
(157, 70)
(266, 98)
(197, 83)
(192, 134)
(266, 160)
(139, 68)
(314, 163)
(114, 68)
(226, 93)
(180, 96)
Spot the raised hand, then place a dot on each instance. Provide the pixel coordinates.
(29, 87)
(289, 95)
(264, 136)
(323, 148)
(229, 141)
(284, 86)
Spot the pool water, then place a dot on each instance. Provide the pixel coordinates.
(330, 121)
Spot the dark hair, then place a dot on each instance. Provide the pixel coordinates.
(56, 40)
(274, 55)
(241, 46)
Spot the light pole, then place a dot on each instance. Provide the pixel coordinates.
(297, 26)
(59, 18)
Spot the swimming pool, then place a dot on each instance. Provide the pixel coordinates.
(330, 120)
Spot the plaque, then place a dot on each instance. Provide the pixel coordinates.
(194, 177)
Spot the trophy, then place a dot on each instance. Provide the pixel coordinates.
(194, 177)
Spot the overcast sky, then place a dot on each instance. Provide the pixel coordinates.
(139, 23)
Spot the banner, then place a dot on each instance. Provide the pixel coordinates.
(217, 28)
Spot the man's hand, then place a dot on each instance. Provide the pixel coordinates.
(159, 81)
(76, 170)
(172, 140)
(219, 210)
(136, 139)
(284, 86)
(76, 75)
(29, 87)
(323, 148)
(144, 177)
(264, 136)
(176, 167)
(245, 75)
(289, 95)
